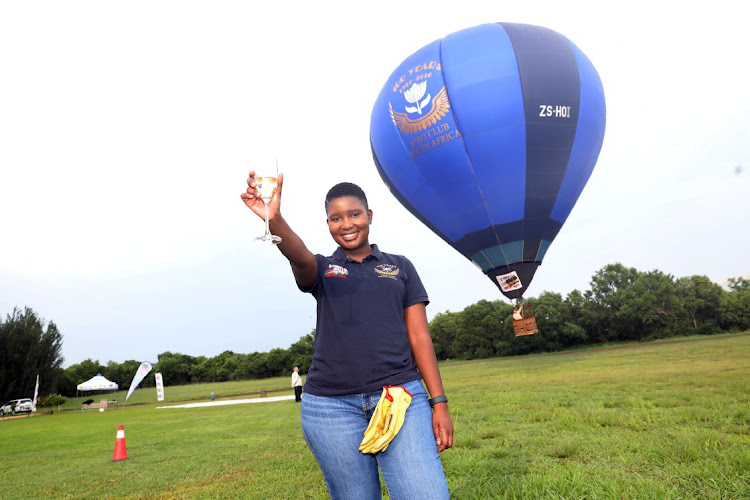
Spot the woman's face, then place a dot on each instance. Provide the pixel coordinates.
(349, 223)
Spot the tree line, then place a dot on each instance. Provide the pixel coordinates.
(180, 369)
(623, 304)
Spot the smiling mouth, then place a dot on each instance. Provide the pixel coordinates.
(350, 236)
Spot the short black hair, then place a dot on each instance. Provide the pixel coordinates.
(346, 189)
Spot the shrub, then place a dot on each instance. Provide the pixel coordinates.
(53, 400)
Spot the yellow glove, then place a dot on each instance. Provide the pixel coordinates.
(387, 419)
(374, 430)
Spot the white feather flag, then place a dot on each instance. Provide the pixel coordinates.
(36, 393)
(140, 374)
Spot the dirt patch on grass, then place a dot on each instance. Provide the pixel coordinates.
(25, 415)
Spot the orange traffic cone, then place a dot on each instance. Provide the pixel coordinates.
(121, 453)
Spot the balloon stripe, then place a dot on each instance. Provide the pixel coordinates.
(481, 74)
(588, 140)
(549, 77)
(453, 64)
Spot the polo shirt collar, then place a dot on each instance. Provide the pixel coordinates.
(376, 254)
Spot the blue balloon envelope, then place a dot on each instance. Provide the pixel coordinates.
(488, 136)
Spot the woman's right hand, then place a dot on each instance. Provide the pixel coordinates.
(304, 265)
(254, 202)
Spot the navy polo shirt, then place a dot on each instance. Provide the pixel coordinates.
(360, 334)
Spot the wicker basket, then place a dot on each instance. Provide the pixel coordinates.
(527, 324)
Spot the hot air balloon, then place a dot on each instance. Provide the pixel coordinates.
(488, 137)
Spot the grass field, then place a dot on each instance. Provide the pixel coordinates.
(660, 420)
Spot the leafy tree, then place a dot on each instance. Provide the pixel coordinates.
(550, 315)
(572, 334)
(608, 288)
(649, 307)
(301, 352)
(231, 366)
(202, 369)
(699, 297)
(575, 330)
(222, 366)
(28, 347)
(278, 362)
(443, 328)
(257, 364)
(554, 318)
(576, 303)
(52, 400)
(738, 284)
(734, 310)
(479, 329)
(174, 368)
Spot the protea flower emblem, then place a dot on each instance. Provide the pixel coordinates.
(414, 95)
(439, 107)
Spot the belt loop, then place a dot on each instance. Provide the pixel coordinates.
(366, 400)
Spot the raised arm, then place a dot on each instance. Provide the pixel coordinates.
(302, 260)
(418, 332)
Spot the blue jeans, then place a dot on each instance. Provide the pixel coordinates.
(333, 428)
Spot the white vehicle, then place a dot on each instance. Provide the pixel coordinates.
(16, 406)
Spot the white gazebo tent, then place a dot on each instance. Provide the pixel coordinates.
(98, 383)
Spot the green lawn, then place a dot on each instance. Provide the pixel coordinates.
(661, 420)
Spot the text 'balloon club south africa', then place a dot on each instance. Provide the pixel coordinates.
(488, 137)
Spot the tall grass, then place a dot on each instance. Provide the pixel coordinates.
(664, 420)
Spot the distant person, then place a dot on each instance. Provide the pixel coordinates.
(518, 313)
(371, 333)
(297, 384)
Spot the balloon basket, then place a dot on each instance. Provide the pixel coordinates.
(526, 325)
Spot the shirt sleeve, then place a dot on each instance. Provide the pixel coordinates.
(415, 291)
(322, 265)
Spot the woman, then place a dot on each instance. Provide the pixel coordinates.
(371, 332)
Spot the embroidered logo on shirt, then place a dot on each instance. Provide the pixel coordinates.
(335, 271)
(387, 271)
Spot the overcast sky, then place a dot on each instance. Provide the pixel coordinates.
(127, 130)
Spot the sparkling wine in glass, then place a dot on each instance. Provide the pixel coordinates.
(266, 187)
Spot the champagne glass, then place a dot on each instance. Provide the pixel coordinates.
(266, 188)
